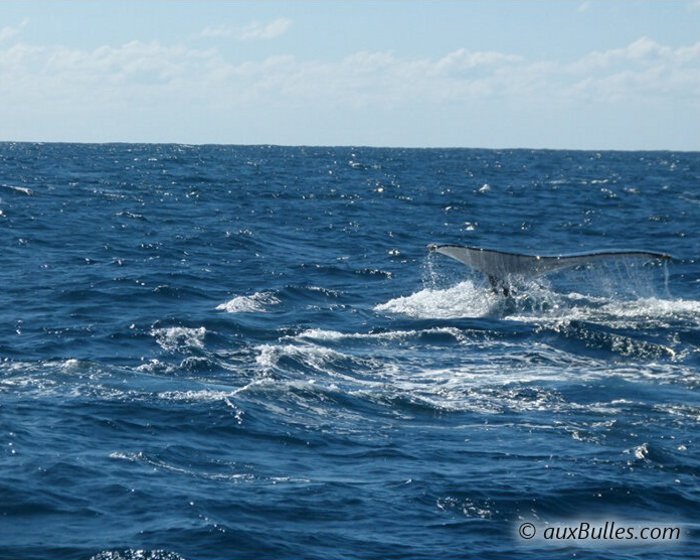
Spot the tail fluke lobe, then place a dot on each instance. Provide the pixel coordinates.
(498, 266)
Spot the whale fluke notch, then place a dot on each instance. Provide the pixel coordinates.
(498, 266)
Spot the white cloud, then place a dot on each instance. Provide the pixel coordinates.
(462, 60)
(136, 72)
(641, 69)
(640, 50)
(217, 31)
(154, 70)
(114, 83)
(270, 30)
(8, 32)
(252, 32)
(584, 6)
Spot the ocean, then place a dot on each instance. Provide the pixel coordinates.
(229, 352)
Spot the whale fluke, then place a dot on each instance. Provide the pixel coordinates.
(498, 266)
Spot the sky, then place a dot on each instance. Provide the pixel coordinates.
(572, 74)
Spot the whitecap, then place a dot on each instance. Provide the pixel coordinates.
(23, 190)
(70, 364)
(192, 395)
(174, 339)
(311, 355)
(322, 335)
(256, 303)
(641, 451)
(137, 554)
(155, 366)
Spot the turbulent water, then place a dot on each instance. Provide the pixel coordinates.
(247, 352)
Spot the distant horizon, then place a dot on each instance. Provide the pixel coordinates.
(573, 75)
(344, 146)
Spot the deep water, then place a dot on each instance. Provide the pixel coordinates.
(246, 352)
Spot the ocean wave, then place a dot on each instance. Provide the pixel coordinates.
(23, 190)
(494, 378)
(179, 339)
(137, 554)
(155, 366)
(229, 472)
(324, 335)
(369, 380)
(313, 358)
(256, 303)
(652, 312)
(647, 313)
(497, 388)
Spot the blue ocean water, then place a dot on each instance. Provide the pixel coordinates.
(216, 352)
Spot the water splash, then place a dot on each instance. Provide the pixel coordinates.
(462, 300)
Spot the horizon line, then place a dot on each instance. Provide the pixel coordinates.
(340, 146)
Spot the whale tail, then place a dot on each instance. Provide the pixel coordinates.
(500, 266)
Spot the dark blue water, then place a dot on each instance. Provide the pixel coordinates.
(246, 352)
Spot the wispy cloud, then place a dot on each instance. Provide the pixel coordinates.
(270, 30)
(639, 52)
(641, 69)
(217, 31)
(9, 32)
(254, 31)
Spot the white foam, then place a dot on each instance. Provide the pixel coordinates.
(70, 364)
(495, 378)
(642, 312)
(655, 309)
(323, 335)
(23, 190)
(141, 457)
(126, 456)
(256, 303)
(463, 300)
(174, 339)
(192, 395)
(499, 385)
(641, 451)
(155, 366)
(314, 356)
(137, 554)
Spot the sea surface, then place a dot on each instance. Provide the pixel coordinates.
(222, 352)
